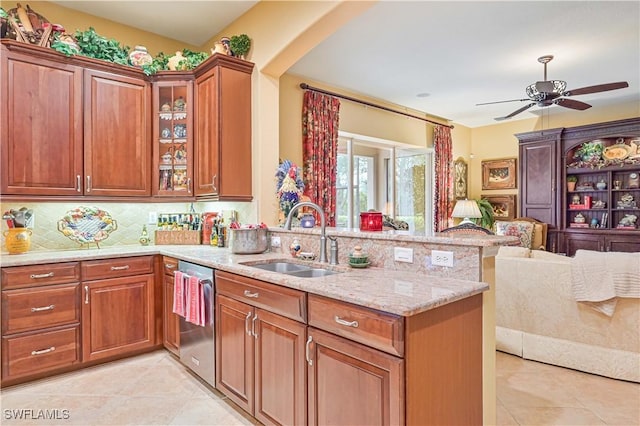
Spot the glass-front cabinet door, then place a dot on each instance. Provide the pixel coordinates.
(173, 138)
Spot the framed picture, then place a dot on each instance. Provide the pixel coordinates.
(460, 178)
(499, 174)
(504, 206)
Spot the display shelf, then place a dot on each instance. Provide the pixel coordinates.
(173, 130)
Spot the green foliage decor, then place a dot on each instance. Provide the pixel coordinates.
(487, 219)
(93, 45)
(240, 44)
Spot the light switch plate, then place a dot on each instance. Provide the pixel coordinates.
(153, 218)
(403, 254)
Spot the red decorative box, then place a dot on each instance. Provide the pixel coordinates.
(576, 207)
(371, 221)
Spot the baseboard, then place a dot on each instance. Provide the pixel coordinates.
(614, 363)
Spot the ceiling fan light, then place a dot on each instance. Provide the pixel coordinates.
(539, 90)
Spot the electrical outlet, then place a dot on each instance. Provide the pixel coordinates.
(442, 258)
(153, 218)
(275, 241)
(403, 254)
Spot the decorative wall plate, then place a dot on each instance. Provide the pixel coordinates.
(87, 225)
(616, 152)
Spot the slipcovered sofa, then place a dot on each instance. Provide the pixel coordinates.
(538, 317)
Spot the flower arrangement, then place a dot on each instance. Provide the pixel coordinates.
(289, 186)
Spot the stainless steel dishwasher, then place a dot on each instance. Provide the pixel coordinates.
(197, 343)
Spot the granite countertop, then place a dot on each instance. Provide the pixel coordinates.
(397, 292)
(409, 236)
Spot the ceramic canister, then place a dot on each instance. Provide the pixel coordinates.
(17, 240)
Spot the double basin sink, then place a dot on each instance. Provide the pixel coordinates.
(293, 269)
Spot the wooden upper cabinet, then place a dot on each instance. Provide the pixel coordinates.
(41, 125)
(538, 176)
(76, 126)
(223, 129)
(117, 135)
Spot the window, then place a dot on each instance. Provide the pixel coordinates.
(393, 178)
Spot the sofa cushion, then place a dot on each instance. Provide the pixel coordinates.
(522, 230)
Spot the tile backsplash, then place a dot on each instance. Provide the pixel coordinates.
(130, 218)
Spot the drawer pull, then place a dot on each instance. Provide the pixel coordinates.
(246, 324)
(43, 308)
(86, 294)
(307, 351)
(340, 321)
(37, 276)
(43, 351)
(120, 268)
(169, 265)
(247, 293)
(253, 326)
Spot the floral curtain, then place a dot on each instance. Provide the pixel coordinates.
(443, 192)
(320, 115)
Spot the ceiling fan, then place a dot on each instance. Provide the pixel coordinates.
(552, 92)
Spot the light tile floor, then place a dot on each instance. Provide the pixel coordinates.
(155, 389)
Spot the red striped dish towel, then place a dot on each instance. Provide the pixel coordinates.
(195, 302)
(179, 293)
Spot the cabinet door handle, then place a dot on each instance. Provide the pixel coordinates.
(340, 321)
(86, 294)
(37, 276)
(247, 293)
(253, 326)
(213, 183)
(43, 308)
(120, 268)
(78, 183)
(43, 351)
(189, 185)
(246, 324)
(307, 351)
(88, 183)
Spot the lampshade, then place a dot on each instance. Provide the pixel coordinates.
(466, 209)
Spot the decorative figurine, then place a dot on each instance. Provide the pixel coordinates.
(144, 237)
(294, 248)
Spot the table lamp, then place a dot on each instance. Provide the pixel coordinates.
(466, 209)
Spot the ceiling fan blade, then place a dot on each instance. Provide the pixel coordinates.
(516, 112)
(501, 102)
(571, 103)
(597, 88)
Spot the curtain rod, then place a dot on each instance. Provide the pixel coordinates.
(305, 86)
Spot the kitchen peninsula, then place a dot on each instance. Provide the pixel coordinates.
(417, 341)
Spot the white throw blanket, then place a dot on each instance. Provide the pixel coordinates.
(599, 277)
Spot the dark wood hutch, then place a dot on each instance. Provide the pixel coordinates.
(606, 191)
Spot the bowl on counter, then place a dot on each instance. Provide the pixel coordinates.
(248, 240)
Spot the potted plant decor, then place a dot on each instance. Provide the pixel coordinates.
(486, 209)
(571, 182)
(240, 45)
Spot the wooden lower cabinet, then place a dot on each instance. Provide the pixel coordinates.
(171, 321)
(117, 316)
(352, 384)
(574, 241)
(260, 362)
(40, 320)
(28, 354)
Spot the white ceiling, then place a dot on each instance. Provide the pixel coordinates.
(460, 53)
